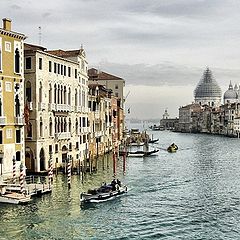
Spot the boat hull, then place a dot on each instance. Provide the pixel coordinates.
(102, 197)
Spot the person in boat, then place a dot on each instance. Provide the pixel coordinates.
(174, 146)
(119, 183)
(113, 184)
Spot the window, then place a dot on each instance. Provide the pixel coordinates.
(17, 61)
(0, 54)
(18, 136)
(65, 70)
(8, 47)
(77, 145)
(50, 148)
(70, 146)
(116, 94)
(17, 106)
(61, 69)
(55, 68)
(50, 66)
(58, 68)
(40, 63)
(28, 63)
(28, 92)
(18, 156)
(116, 86)
(75, 73)
(9, 133)
(69, 71)
(56, 148)
(8, 86)
(1, 137)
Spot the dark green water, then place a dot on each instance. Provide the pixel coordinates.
(191, 194)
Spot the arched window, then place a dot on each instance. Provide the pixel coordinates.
(76, 98)
(58, 95)
(50, 93)
(40, 92)
(17, 106)
(65, 125)
(61, 100)
(76, 127)
(65, 95)
(50, 127)
(1, 107)
(28, 92)
(41, 128)
(55, 93)
(17, 61)
(56, 126)
(69, 96)
(69, 125)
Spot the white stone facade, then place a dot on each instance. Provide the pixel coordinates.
(56, 93)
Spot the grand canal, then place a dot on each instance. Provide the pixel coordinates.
(191, 194)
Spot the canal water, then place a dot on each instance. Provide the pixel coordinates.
(191, 194)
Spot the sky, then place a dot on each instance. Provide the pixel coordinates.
(160, 47)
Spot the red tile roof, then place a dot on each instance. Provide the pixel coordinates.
(95, 75)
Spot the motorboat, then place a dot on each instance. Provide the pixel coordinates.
(102, 194)
(172, 148)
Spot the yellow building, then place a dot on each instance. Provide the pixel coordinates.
(11, 99)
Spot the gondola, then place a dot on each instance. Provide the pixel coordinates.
(153, 140)
(142, 153)
(102, 194)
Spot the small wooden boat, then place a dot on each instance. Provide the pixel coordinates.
(102, 194)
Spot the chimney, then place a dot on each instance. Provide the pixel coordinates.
(7, 24)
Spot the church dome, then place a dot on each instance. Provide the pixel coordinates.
(207, 86)
(230, 93)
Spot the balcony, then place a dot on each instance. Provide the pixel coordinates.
(18, 120)
(63, 108)
(52, 107)
(2, 120)
(63, 135)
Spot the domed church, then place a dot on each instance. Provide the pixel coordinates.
(232, 95)
(207, 91)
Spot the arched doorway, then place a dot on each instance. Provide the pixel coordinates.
(42, 160)
(29, 160)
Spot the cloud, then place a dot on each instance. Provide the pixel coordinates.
(15, 7)
(167, 74)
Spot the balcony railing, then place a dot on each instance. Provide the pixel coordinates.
(42, 106)
(18, 120)
(63, 135)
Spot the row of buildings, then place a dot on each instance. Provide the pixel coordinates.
(206, 114)
(52, 107)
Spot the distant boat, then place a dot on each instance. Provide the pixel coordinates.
(155, 127)
(153, 140)
(142, 153)
(172, 148)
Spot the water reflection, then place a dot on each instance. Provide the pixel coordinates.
(191, 194)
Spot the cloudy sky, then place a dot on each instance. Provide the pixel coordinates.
(160, 47)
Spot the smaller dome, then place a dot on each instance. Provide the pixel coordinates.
(230, 93)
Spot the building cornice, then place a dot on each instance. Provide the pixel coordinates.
(12, 34)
